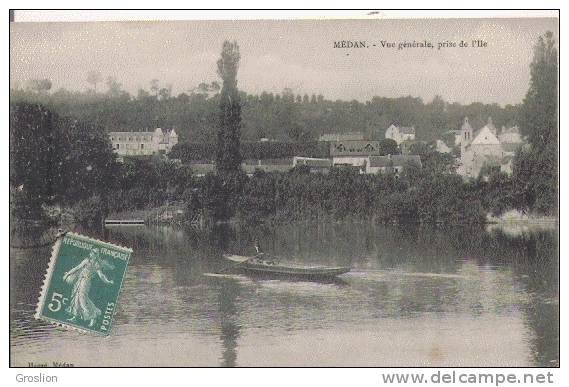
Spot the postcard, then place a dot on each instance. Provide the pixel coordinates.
(374, 191)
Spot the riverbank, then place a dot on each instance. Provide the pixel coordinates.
(514, 216)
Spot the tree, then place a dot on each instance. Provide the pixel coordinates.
(57, 160)
(539, 110)
(36, 158)
(535, 173)
(420, 149)
(388, 147)
(436, 163)
(90, 163)
(155, 86)
(165, 92)
(94, 77)
(228, 158)
(39, 85)
(114, 86)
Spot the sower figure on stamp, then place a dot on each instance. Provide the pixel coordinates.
(80, 277)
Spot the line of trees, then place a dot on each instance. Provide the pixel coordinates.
(70, 162)
(284, 117)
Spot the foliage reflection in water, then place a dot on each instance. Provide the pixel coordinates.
(417, 296)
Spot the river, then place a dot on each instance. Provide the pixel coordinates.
(416, 296)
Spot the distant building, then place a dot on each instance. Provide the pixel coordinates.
(406, 146)
(442, 147)
(400, 133)
(511, 138)
(202, 169)
(334, 137)
(267, 165)
(465, 134)
(391, 163)
(143, 143)
(355, 153)
(314, 164)
(484, 147)
(507, 164)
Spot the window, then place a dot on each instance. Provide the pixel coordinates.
(118, 146)
(141, 146)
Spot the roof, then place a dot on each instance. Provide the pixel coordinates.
(313, 162)
(130, 133)
(394, 161)
(171, 132)
(401, 160)
(281, 161)
(512, 129)
(511, 146)
(355, 148)
(380, 161)
(202, 169)
(402, 129)
(407, 130)
(510, 137)
(267, 168)
(351, 136)
(485, 136)
(442, 146)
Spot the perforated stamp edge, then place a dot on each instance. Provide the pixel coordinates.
(47, 279)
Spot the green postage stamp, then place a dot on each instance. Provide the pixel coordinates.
(82, 284)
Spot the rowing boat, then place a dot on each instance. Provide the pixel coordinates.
(269, 265)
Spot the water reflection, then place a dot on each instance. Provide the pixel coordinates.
(416, 296)
(230, 328)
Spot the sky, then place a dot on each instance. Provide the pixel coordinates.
(295, 54)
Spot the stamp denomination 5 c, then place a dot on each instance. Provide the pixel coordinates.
(82, 284)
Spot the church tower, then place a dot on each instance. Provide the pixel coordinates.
(491, 126)
(465, 132)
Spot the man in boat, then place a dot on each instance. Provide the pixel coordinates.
(261, 257)
(258, 248)
(258, 258)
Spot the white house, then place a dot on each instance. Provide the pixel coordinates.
(400, 133)
(511, 139)
(143, 143)
(354, 153)
(391, 163)
(441, 147)
(314, 164)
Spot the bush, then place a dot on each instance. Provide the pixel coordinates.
(205, 152)
(89, 211)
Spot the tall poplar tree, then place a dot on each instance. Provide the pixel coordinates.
(228, 158)
(535, 169)
(539, 110)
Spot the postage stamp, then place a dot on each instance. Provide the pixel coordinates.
(82, 284)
